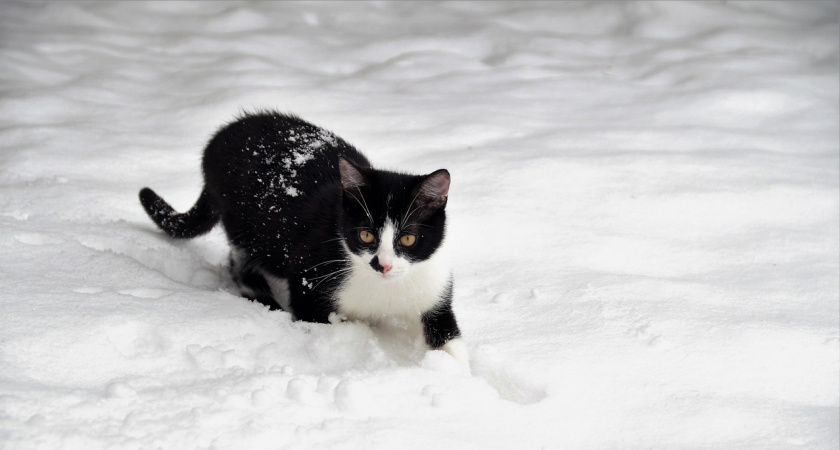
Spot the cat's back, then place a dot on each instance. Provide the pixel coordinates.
(271, 154)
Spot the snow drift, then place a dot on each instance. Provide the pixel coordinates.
(645, 218)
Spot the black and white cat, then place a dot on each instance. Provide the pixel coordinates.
(316, 231)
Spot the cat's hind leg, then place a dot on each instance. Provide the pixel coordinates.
(255, 284)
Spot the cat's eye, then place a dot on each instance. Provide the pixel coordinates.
(407, 240)
(366, 236)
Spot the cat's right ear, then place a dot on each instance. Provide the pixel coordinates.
(434, 189)
(351, 177)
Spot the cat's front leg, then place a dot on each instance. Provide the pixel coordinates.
(441, 332)
(308, 304)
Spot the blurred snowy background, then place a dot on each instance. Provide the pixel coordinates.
(645, 218)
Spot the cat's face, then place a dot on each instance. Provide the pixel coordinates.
(392, 221)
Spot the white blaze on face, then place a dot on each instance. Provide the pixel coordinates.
(385, 252)
(396, 266)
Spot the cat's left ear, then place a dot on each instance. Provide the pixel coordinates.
(351, 176)
(433, 191)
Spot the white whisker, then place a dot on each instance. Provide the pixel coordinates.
(405, 218)
(367, 210)
(325, 262)
(328, 274)
(364, 207)
(334, 275)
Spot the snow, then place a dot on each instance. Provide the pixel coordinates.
(644, 220)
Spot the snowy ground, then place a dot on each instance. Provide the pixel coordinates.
(645, 217)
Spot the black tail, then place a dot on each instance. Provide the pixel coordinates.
(195, 222)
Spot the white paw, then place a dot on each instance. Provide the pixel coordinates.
(458, 350)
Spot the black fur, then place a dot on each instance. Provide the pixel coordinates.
(439, 325)
(275, 182)
(195, 222)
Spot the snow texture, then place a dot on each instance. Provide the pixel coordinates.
(644, 220)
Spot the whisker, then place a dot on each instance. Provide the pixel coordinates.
(411, 213)
(325, 262)
(334, 275)
(364, 207)
(405, 219)
(328, 274)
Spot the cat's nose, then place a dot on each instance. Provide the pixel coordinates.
(378, 266)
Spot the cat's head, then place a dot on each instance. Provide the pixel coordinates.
(391, 221)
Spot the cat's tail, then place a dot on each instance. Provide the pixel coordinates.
(195, 222)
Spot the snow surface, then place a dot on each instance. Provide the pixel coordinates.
(645, 220)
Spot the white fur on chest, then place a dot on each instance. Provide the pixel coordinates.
(365, 294)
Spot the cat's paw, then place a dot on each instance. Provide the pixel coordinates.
(458, 350)
(335, 317)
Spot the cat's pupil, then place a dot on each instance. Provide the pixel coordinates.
(366, 236)
(407, 240)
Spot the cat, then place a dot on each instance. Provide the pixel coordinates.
(315, 230)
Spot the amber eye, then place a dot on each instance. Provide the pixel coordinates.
(407, 240)
(366, 236)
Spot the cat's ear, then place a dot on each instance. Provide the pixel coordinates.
(351, 176)
(434, 189)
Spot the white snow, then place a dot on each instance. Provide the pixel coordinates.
(644, 220)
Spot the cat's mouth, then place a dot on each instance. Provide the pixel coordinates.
(388, 272)
(392, 274)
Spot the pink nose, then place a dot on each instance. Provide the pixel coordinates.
(385, 269)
